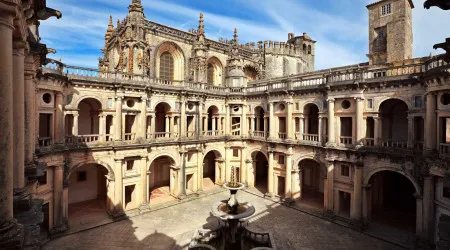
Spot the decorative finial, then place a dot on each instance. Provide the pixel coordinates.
(118, 22)
(201, 26)
(110, 25)
(236, 37)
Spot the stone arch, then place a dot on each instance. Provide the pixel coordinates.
(254, 151)
(178, 57)
(166, 104)
(318, 103)
(251, 72)
(260, 106)
(86, 97)
(384, 99)
(73, 167)
(381, 169)
(214, 71)
(167, 154)
(310, 156)
(213, 168)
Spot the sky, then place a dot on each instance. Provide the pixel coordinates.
(340, 27)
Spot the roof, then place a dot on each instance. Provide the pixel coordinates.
(372, 4)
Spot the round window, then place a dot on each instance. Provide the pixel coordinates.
(190, 106)
(47, 98)
(281, 106)
(235, 108)
(445, 99)
(130, 103)
(346, 104)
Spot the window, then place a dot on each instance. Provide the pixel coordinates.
(81, 176)
(281, 159)
(235, 152)
(370, 103)
(345, 170)
(43, 179)
(210, 74)
(346, 104)
(417, 101)
(166, 69)
(47, 98)
(386, 9)
(130, 165)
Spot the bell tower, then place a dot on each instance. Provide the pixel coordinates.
(390, 31)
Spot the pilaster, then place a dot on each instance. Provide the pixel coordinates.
(331, 124)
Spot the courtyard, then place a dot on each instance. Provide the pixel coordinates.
(172, 228)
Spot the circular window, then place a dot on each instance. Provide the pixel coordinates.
(130, 103)
(281, 106)
(346, 104)
(235, 108)
(190, 106)
(47, 98)
(445, 99)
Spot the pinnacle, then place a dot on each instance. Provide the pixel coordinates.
(201, 26)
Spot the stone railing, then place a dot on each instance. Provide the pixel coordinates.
(369, 142)
(387, 143)
(346, 140)
(311, 137)
(282, 135)
(259, 134)
(343, 75)
(45, 141)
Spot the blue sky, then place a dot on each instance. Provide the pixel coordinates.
(338, 26)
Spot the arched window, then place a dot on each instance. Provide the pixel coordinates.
(309, 49)
(211, 76)
(304, 48)
(166, 70)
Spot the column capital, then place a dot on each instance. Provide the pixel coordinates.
(330, 100)
(144, 98)
(119, 97)
(8, 14)
(359, 98)
(20, 46)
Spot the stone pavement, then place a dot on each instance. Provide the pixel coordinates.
(172, 228)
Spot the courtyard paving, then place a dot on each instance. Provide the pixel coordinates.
(172, 228)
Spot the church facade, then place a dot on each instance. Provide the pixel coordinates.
(168, 114)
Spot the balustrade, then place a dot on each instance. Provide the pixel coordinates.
(393, 144)
(259, 134)
(45, 141)
(369, 141)
(282, 135)
(346, 140)
(311, 137)
(130, 136)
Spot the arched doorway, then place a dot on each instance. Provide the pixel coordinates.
(311, 183)
(214, 71)
(159, 179)
(211, 171)
(311, 122)
(162, 120)
(394, 123)
(393, 202)
(251, 73)
(88, 201)
(261, 170)
(89, 111)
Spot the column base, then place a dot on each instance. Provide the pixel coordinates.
(289, 201)
(182, 196)
(144, 207)
(330, 144)
(11, 234)
(357, 224)
(268, 194)
(58, 230)
(424, 244)
(328, 214)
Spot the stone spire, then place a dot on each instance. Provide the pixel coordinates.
(110, 29)
(136, 8)
(235, 38)
(201, 26)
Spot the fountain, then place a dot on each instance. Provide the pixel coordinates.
(231, 233)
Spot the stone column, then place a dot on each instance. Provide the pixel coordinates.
(18, 113)
(214, 124)
(153, 124)
(250, 172)
(102, 125)
(144, 184)
(288, 188)
(59, 118)
(419, 215)
(258, 123)
(331, 124)
(227, 167)
(183, 118)
(182, 175)
(329, 202)
(227, 119)
(222, 170)
(430, 123)
(290, 127)
(119, 186)
(367, 204)
(243, 167)
(302, 127)
(200, 119)
(265, 127)
(252, 126)
(143, 118)
(410, 142)
(11, 231)
(320, 130)
(167, 126)
(356, 208)
(272, 130)
(244, 126)
(376, 130)
(270, 173)
(58, 197)
(428, 208)
(200, 170)
(118, 120)
(296, 186)
(360, 121)
(75, 124)
(30, 121)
